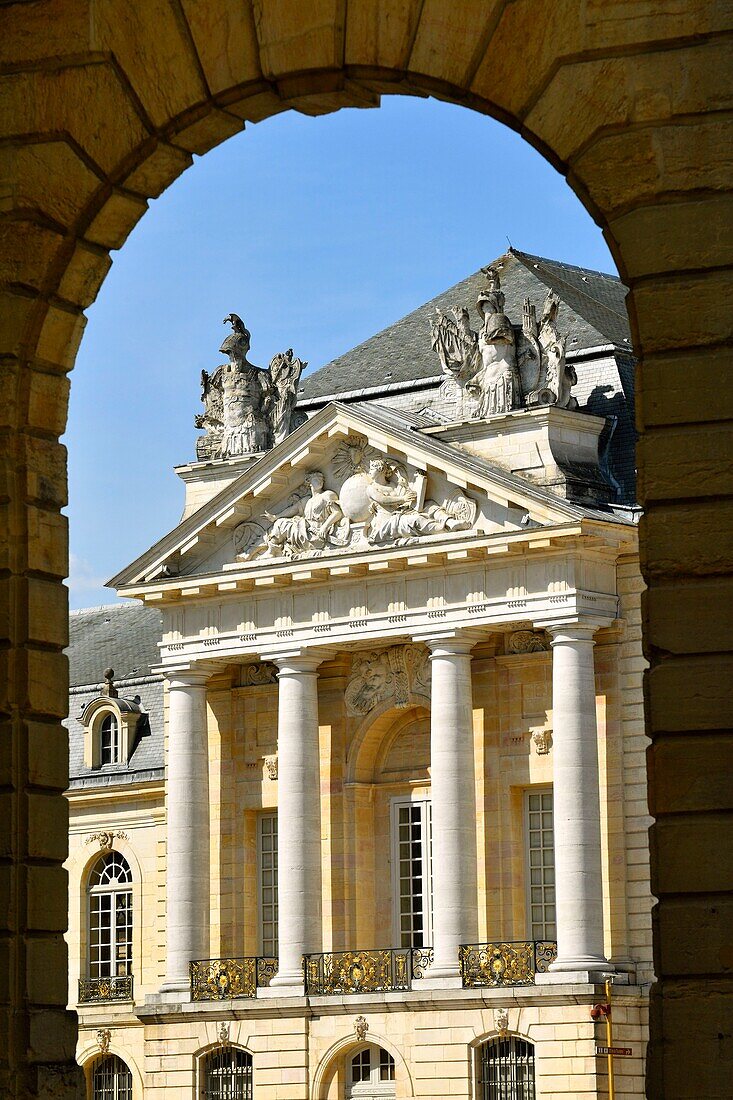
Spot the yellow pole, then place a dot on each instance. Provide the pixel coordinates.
(609, 1043)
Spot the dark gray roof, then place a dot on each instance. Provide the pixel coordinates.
(121, 636)
(592, 311)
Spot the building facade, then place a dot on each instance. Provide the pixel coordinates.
(359, 807)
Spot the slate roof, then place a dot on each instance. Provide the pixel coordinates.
(121, 636)
(592, 310)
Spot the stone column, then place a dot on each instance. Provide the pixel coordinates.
(577, 815)
(187, 827)
(299, 819)
(453, 796)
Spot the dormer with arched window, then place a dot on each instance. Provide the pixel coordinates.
(111, 726)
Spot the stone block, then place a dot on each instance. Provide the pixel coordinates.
(694, 936)
(677, 538)
(685, 461)
(226, 42)
(676, 236)
(48, 682)
(288, 33)
(48, 755)
(47, 967)
(48, 400)
(665, 393)
(457, 29)
(690, 693)
(380, 34)
(46, 472)
(692, 773)
(48, 612)
(60, 336)
(24, 174)
(152, 44)
(48, 823)
(207, 132)
(115, 221)
(158, 170)
(27, 251)
(691, 854)
(84, 274)
(660, 306)
(47, 541)
(690, 618)
(48, 899)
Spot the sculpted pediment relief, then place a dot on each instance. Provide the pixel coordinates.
(380, 675)
(360, 500)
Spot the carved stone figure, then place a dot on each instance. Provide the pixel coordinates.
(104, 1040)
(527, 641)
(271, 766)
(542, 740)
(378, 675)
(499, 368)
(361, 1027)
(247, 409)
(501, 1020)
(262, 672)
(394, 515)
(305, 525)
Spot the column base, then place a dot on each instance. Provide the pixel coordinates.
(284, 984)
(176, 986)
(579, 971)
(441, 979)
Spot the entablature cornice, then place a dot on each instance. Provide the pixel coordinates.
(586, 537)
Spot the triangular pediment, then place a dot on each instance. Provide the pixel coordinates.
(352, 480)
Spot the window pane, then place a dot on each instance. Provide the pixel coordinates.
(540, 857)
(267, 845)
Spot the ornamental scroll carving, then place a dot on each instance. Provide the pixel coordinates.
(261, 672)
(501, 366)
(375, 505)
(247, 409)
(380, 675)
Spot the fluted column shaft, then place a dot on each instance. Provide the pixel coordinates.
(452, 784)
(299, 821)
(187, 827)
(577, 815)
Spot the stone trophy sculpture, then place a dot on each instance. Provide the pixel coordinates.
(247, 409)
(501, 367)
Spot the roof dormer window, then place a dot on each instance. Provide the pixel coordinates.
(109, 740)
(111, 724)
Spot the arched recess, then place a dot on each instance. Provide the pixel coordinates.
(91, 1052)
(104, 105)
(333, 1062)
(79, 867)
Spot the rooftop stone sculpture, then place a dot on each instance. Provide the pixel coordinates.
(247, 409)
(502, 367)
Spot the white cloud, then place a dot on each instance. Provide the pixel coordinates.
(84, 580)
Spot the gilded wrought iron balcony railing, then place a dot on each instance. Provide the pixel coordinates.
(223, 979)
(497, 964)
(93, 990)
(375, 971)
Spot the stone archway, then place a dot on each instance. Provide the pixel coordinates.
(105, 102)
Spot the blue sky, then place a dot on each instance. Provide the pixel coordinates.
(319, 233)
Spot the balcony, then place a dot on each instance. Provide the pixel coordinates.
(505, 964)
(102, 990)
(375, 971)
(224, 979)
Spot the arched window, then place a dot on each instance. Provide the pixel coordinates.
(109, 740)
(370, 1074)
(506, 1070)
(111, 1079)
(226, 1074)
(110, 917)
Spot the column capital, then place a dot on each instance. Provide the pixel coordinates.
(186, 676)
(572, 629)
(449, 642)
(294, 662)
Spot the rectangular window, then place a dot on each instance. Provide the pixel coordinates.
(267, 861)
(110, 934)
(412, 872)
(540, 857)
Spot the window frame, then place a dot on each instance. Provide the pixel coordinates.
(503, 1092)
(264, 816)
(116, 1094)
(373, 1088)
(528, 792)
(420, 797)
(113, 891)
(209, 1054)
